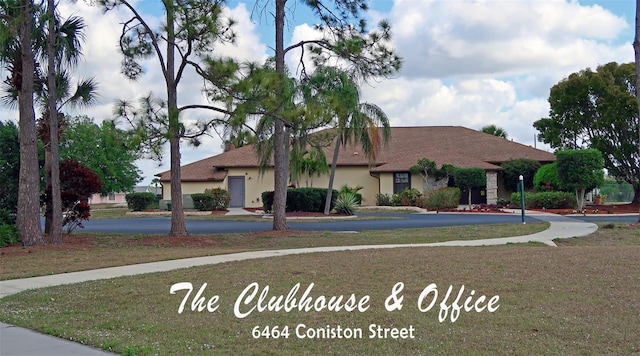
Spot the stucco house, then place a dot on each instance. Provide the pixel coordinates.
(237, 170)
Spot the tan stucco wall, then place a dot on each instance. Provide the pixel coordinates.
(351, 176)
(191, 188)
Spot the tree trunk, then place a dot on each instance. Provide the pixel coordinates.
(334, 165)
(48, 205)
(636, 50)
(280, 156)
(55, 231)
(28, 213)
(178, 226)
(636, 193)
(580, 198)
(469, 189)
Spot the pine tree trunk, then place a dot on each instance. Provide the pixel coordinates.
(178, 225)
(28, 213)
(334, 165)
(281, 164)
(55, 231)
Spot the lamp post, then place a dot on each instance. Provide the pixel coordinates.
(521, 189)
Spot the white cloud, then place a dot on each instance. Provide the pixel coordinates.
(451, 38)
(468, 63)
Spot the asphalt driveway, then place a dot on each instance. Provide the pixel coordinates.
(161, 225)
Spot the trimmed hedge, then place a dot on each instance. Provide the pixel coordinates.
(211, 199)
(301, 199)
(548, 200)
(202, 202)
(140, 201)
(443, 198)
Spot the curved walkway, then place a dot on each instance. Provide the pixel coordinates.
(20, 341)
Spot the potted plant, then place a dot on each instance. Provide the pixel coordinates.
(598, 199)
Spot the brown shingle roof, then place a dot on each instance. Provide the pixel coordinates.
(456, 145)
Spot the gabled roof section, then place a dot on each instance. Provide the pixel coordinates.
(456, 145)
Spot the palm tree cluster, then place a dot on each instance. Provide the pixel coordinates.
(38, 50)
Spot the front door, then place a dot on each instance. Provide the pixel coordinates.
(236, 190)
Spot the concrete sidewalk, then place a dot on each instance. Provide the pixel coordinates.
(23, 342)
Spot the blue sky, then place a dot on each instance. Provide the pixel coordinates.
(467, 63)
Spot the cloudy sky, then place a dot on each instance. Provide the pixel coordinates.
(467, 63)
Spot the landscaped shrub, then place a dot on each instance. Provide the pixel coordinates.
(347, 203)
(347, 189)
(139, 201)
(546, 178)
(407, 197)
(267, 201)
(202, 202)
(301, 199)
(307, 199)
(7, 217)
(547, 200)
(443, 198)
(221, 198)
(383, 200)
(8, 235)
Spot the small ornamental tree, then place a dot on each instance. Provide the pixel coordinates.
(580, 170)
(429, 170)
(468, 178)
(513, 169)
(77, 184)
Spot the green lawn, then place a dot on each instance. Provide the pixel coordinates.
(579, 298)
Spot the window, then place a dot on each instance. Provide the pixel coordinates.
(112, 197)
(401, 181)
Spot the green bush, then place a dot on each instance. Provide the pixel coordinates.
(8, 235)
(140, 201)
(301, 199)
(211, 199)
(7, 217)
(515, 168)
(202, 202)
(546, 178)
(347, 203)
(267, 201)
(383, 200)
(221, 198)
(547, 200)
(347, 189)
(407, 197)
(443, 198)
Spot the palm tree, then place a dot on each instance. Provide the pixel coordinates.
(17, 54)
(59, 47)
(494, 130)
(353, 121)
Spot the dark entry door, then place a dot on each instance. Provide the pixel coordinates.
(236, 190)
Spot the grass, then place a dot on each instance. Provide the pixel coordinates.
(89, 252)
(579, 298)
(558, 301)
(608, 234)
